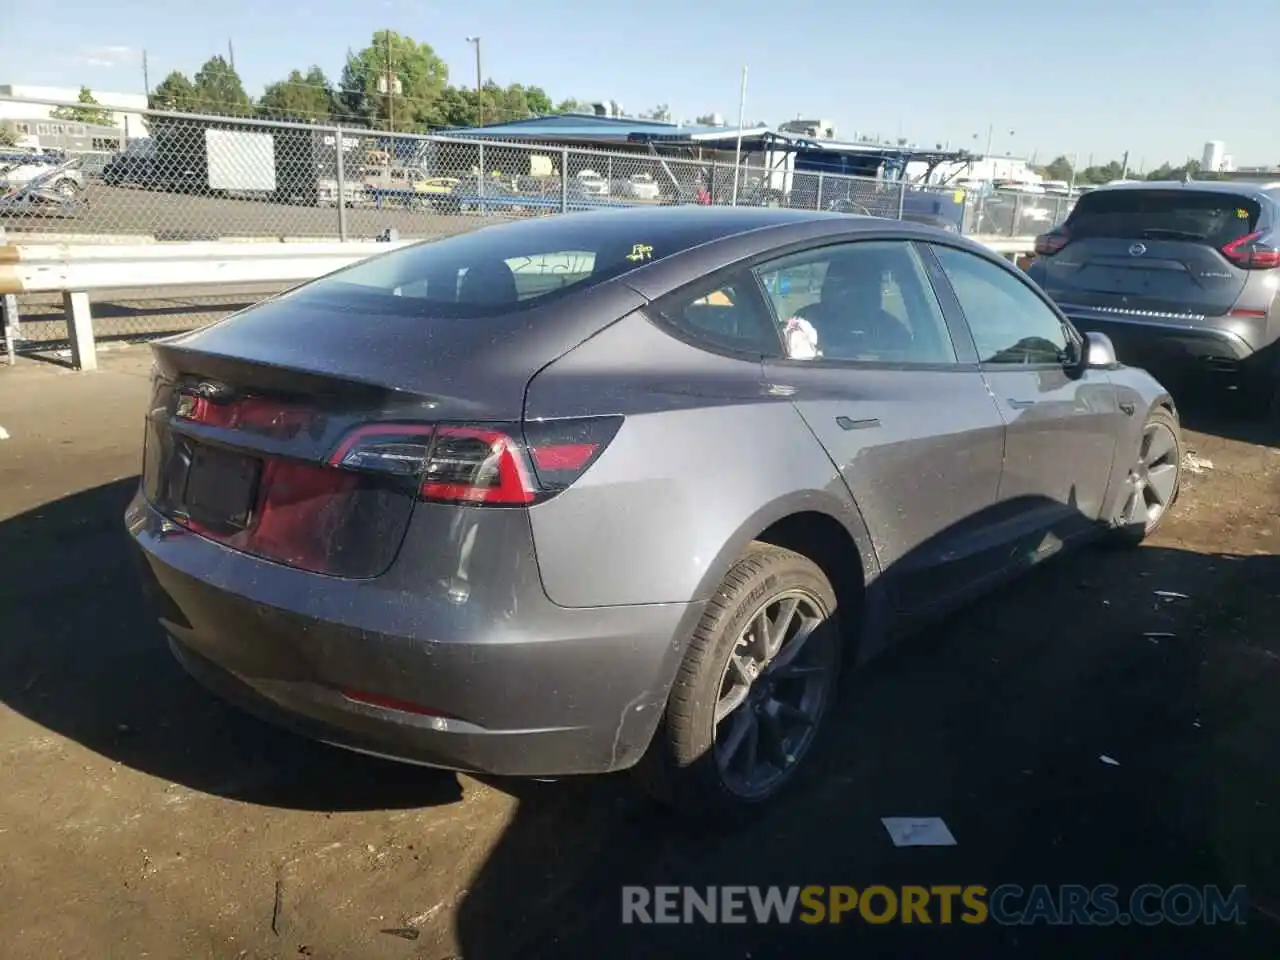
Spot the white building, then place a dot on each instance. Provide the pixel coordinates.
(1212, 158)
(1228, 163)
(125, 107)
(999, 168)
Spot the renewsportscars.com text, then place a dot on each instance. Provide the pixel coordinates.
(1008, 904)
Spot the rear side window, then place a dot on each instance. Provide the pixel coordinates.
(1188, 215)
(507, 268)
(727, 315)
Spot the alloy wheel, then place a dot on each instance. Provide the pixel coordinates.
(1153, 480)
(773, 693)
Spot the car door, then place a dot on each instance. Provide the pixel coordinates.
(899, 405)
(1062, 421)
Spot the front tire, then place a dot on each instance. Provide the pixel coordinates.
(753, 691)
(1154, 480)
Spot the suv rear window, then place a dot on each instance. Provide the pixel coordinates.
(503, 269)
(1195, 216)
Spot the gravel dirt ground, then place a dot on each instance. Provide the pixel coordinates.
(139, 817)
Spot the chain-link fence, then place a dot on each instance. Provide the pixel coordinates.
(220, 178)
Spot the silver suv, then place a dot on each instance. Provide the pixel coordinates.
(1184, 278)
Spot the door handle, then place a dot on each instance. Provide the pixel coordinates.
(868, 423)
(1021, 404)
(1127, 407)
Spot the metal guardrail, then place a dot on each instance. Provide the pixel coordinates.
(75, 271)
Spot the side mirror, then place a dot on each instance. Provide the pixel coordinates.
(1099, 352)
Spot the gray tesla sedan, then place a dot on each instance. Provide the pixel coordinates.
(623, 489)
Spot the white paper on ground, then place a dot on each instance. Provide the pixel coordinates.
(918, 832)
(4, 434)
(1109, 761)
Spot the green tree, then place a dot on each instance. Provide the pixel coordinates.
(421, 74)
(91, 112)
(175, 92)
(456, 107)
(8, 135)
(661, 112)
(538, 102)
(573, 106)
(513, 102)
(305, 97)
(706, 120)
(1059, 169)
(218, 89)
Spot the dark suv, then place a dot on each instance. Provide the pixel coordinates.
(1184, 278)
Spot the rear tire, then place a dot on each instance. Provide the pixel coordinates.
(710, 757)
(1154, 480)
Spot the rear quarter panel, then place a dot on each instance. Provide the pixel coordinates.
(706, 459)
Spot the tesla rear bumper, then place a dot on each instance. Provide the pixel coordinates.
(530, 689)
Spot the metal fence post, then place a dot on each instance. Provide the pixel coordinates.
(902, 197)
(480, 181)
(9, 317)
(821, 184)
(341, 145)
(84, 351)
(1017, 215)
(564, 180)
(711, 187)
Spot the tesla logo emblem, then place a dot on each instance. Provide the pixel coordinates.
(1137, 250)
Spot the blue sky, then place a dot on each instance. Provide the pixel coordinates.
(1091, 76)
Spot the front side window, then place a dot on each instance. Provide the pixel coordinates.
(1010, 323)
(868, 302)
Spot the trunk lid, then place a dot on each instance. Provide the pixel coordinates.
(247, 414)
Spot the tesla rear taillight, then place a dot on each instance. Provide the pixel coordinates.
(1047, 244)
(483, 464)
(345, 513)
(1257, 251)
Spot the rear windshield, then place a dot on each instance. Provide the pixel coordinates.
(509, 267)
(1197, 217)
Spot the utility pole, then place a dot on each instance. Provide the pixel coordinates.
(1124, 166)
(146, 79)
(742, 114)
(475, 41)
(231, 54)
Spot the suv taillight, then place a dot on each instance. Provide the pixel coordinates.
(1257, 251)
(482, 464)
(1047, 244)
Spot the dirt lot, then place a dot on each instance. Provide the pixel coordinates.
(141, 818)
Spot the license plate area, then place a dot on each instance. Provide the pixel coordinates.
(221, 488)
